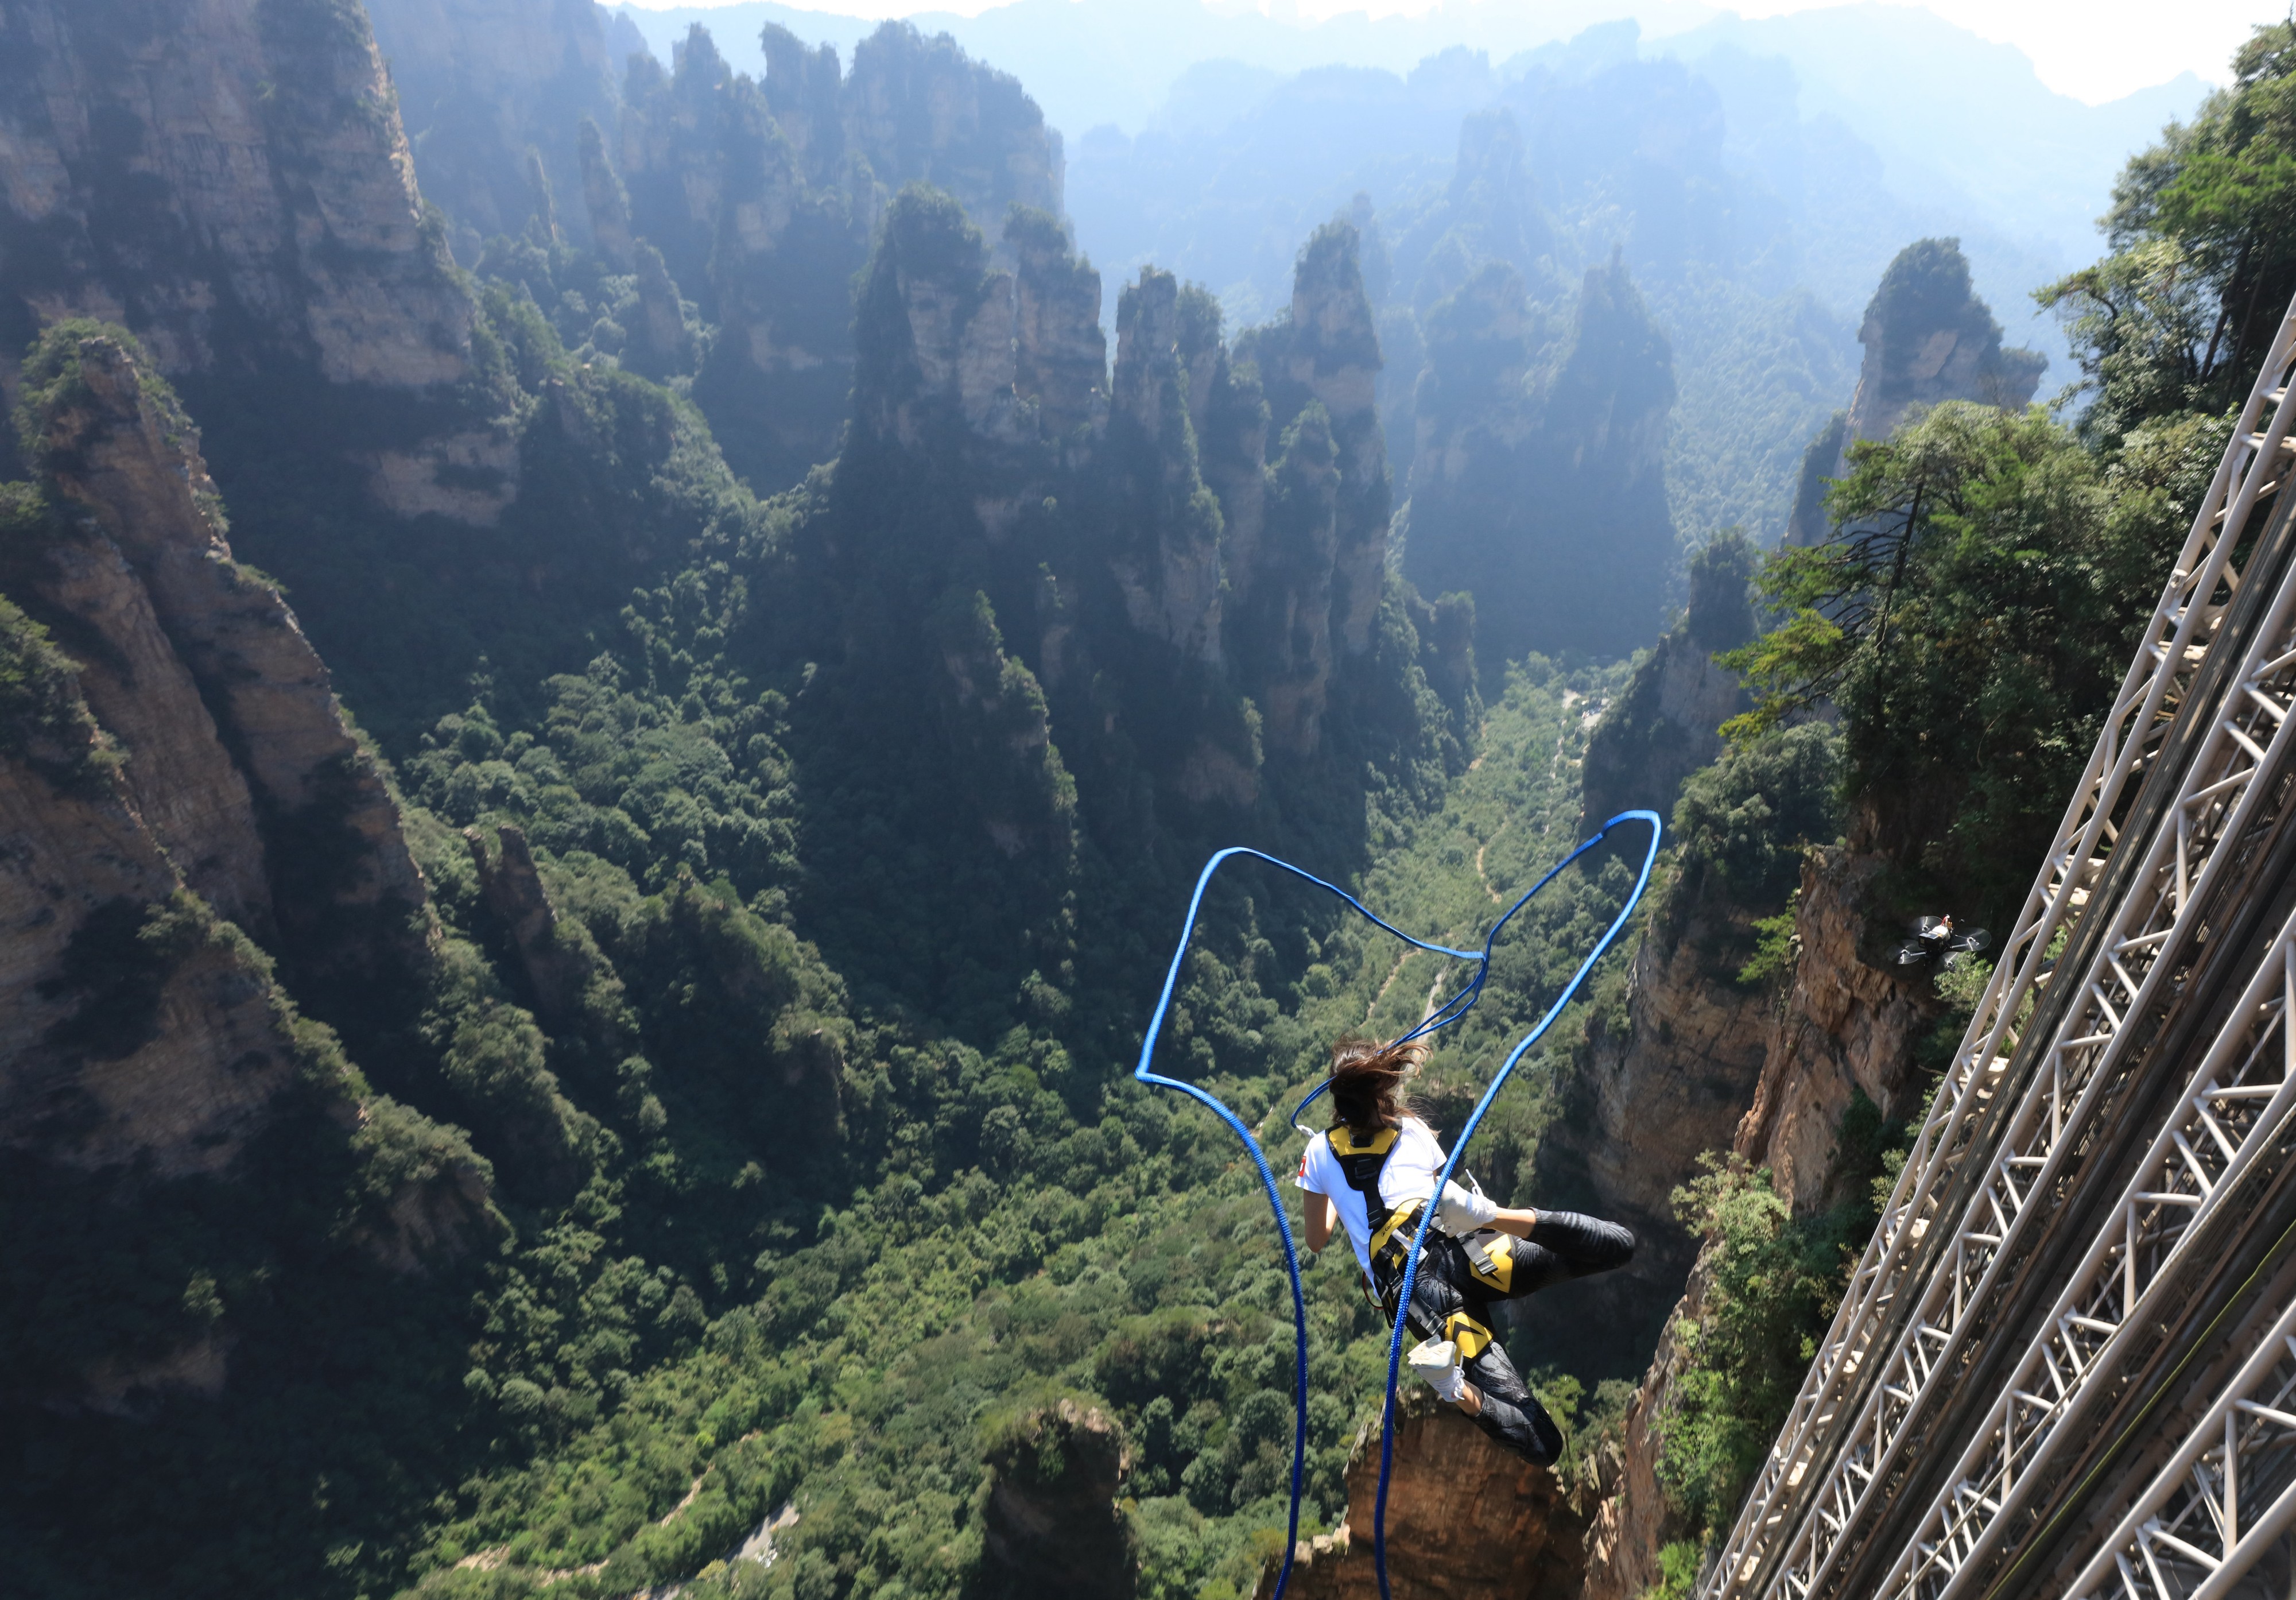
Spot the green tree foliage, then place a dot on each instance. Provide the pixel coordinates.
(1742, 823)
(1773, 1280)
(809, 1143)
(2202, 227)
(1968, 621)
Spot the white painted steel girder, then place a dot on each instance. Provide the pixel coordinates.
(2218, 798)
(2234, 1110)
(2224, 1499)
(2200, 585)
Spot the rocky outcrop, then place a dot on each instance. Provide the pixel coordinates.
(1634, 1519)
(919, 110)
(178, 776)
(1547, 500)
(229, 179)
(223, 176)
(334, 868)
(1170, 572)
(1049, 1528)
(1928, 338)
(483, 83)
(557, 966)
(763, 200)
(1465, 1520)
(1333, 355)
(1667, 724)
(1645, 1104)
(1311, 555)
(1221, 573)
(1060, 354)
(133, 1027)
(763, 231)
(1000, 737)
(1845, 1029)
(149, 1059)
(805, 87)
(606, 203)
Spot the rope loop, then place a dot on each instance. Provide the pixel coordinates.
(1449, 1013)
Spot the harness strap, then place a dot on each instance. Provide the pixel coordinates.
(1362, 1158)
(1471, 1336)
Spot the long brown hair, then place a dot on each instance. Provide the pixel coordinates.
(1368, 1079)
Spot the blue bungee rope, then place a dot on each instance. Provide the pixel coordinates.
(1450, 1012)
(1459, 1148)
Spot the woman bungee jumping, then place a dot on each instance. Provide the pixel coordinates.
(1374, 1171)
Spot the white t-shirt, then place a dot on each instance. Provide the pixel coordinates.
(1413, 1165)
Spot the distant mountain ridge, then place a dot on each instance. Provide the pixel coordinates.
(1122, 63)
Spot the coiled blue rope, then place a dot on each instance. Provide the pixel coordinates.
(1459, 1149)
(1450, 1012)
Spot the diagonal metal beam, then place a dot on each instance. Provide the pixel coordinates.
(1817, 1461)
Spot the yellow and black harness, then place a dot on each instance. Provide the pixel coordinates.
(1489, 1254)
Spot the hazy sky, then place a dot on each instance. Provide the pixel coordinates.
(2094, 50)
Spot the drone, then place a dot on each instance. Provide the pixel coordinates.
(1935, 939)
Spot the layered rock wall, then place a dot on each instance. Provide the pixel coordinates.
(1466, 1519)
(130, 1030)
(247, 770)
(1928, 338)
(1845, 1029)
(220, 174)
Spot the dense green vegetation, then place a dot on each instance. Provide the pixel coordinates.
(1968, 620)
(1969, 623)
(799, 1164)
(817, 1171)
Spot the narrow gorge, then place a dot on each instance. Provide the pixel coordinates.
(619, 648)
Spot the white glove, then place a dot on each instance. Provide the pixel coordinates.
(1460, 1212)
(1436, 1362)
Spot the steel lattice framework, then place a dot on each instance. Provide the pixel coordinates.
(2225, 1498)
(2047, 1049)
(2233, 1114)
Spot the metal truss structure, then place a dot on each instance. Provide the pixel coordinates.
(1936, 1421)
(2224, 1499)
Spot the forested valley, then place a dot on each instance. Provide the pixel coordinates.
(614, 675)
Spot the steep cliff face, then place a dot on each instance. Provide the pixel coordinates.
(1845, 1029)
(336, 874)
(971, 356)
(1928, 338)
(153, 1074)
(1645, 1104)
(1546, 499)
(1262, 566)
(763, 200)
(1667, 724)
(480, 85)
(1061, 356)
(1050, 1530)
(1171, 575)
(230, 180)
(132, 1026)
(219, 176)
(1310, 567)
(1465, 1520)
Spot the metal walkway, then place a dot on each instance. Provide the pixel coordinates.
(2066, 1363)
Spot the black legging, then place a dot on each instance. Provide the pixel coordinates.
(1450, 1299)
